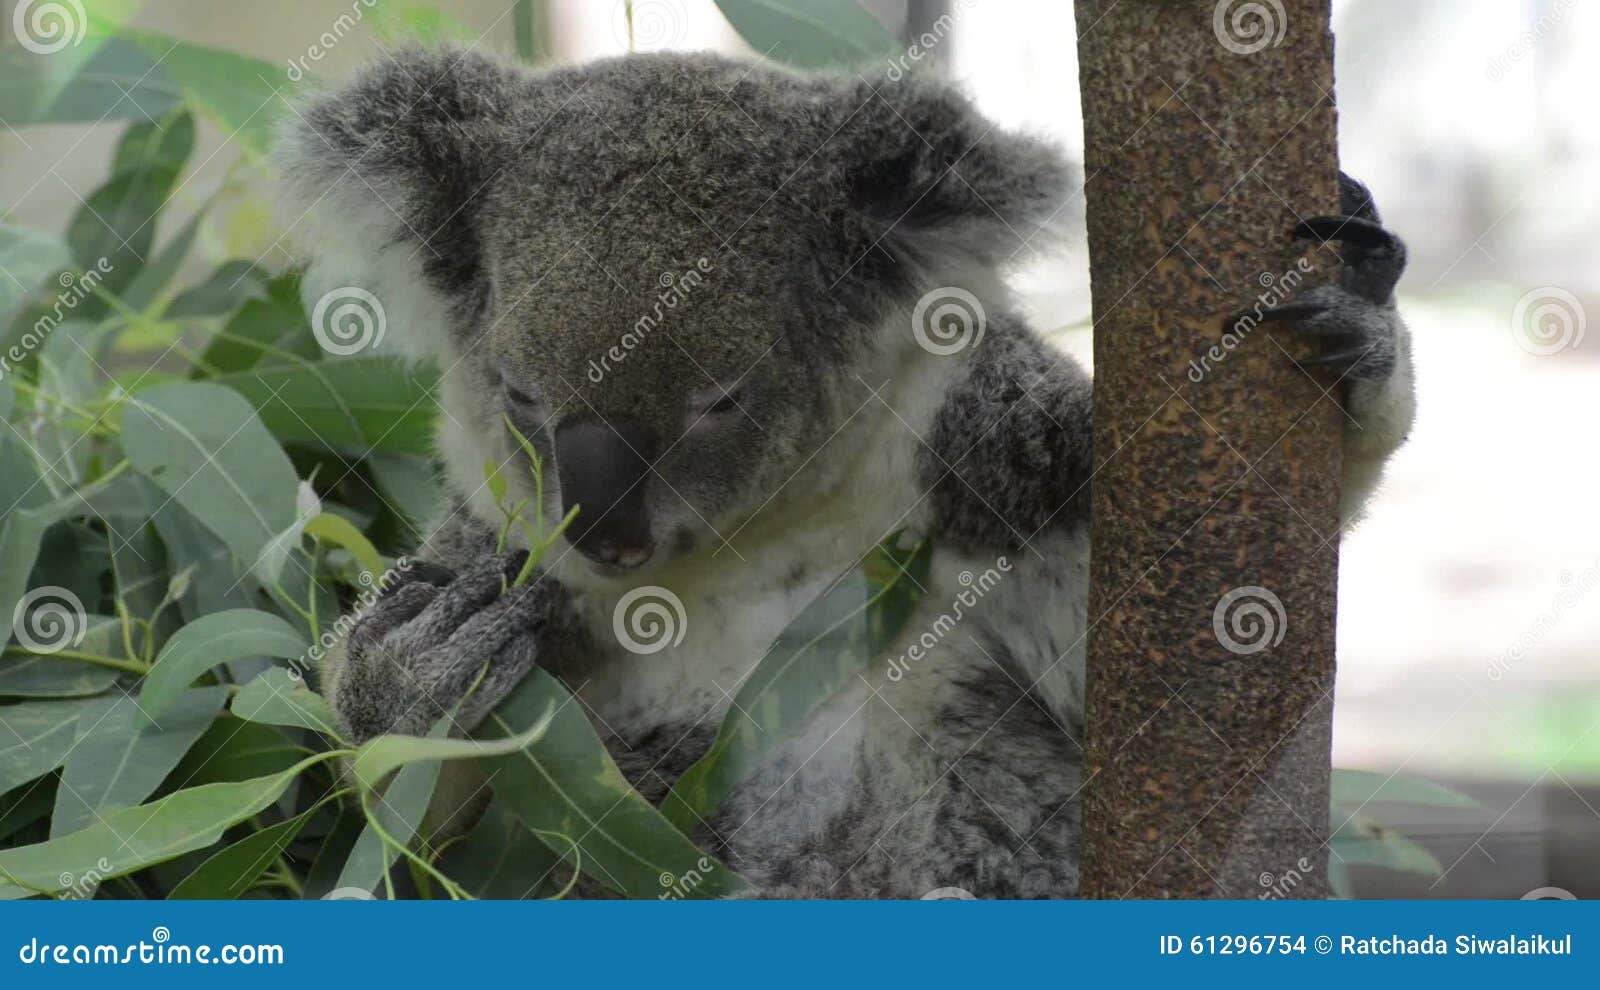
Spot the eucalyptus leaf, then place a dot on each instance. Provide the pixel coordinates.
(242, 96)
(47, 676)
(361, 404)
(232, 870)
(29, 257)
(501, 860)
(338, 531)
(833, 639)
(204, 446)
(118, 758)
(399, 810)
(24, 805)
(35, 736)
(1357, 788)
(233, 749)
(212, 640)
(810, 33)
(277, 697)
(1363, 842)
(129, 839)
(566, 785)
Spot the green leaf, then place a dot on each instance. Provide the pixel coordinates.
(212, 640)
(22, 806)
(277, 697)
(130, 839)
(242, 96)
(400, 810)
(35, 676)
(417, 22)
(155, 276)
(501, 860)
(833, 639)
(233, 749)
(232, 871)
(1356, 788)
(338, 531)
(273, 323)
(114, 231)
(360, 404)
(74, 79)
(29, 257)
(118, 759)
(810, 33)
(230, 287)
(204, 446)
(379, 757)
(1363, 842)
(35, 736)
(566, 783)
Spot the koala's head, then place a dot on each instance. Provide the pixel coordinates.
(667, 271)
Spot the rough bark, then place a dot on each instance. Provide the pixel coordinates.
(1208, 756)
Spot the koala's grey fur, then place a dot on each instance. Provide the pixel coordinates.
(515, 226)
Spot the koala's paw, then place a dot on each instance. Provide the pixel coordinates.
(1353, 321)
(416, 653)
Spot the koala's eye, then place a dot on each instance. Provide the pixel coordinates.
(712, 404)
(520, 396)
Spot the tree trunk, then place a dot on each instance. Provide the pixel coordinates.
(1209, 124)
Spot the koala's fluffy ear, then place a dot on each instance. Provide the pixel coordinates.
(943, 188)
(383, 181)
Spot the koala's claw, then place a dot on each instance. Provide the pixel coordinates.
(1374, 259)
(418, 651)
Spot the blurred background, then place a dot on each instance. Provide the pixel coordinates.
(1469, 617)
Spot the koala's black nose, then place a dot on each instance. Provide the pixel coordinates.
(603, 469)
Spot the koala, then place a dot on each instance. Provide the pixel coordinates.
(702, 290)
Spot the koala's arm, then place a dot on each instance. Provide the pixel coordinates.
(416, 652)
